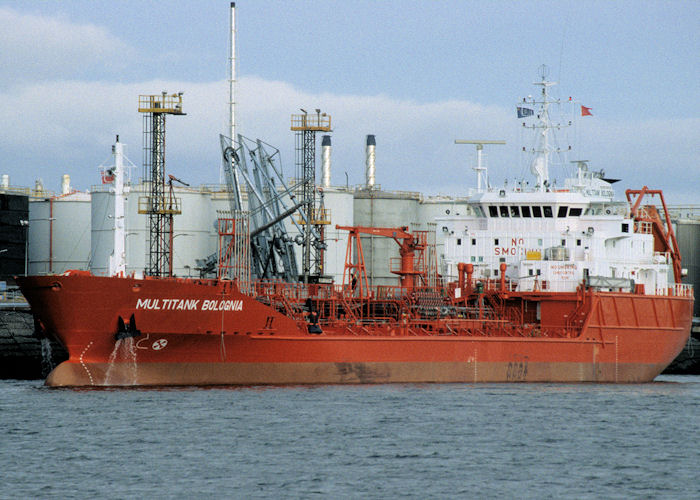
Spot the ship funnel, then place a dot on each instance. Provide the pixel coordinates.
(369, 162)
(326, 161)
(5, 181)
(65, 184)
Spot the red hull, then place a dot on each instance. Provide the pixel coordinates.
(193, 332)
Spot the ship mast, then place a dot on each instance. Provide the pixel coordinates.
(543, 146)
(117, 261)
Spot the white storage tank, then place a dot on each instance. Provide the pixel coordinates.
(340, 204)
(59, 233)
(376, 208)
(192, 238)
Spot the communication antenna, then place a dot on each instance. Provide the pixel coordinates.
(481, 170)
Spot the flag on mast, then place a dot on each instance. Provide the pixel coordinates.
(586, 111)
(524, 112)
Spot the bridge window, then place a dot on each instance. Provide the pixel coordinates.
(525, 211)
(536, 212)
(562, 211)
(514, 211)
(574, 212)
(504, 210)
(547, 211)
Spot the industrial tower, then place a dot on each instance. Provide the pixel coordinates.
(313, 217)
(159, 206)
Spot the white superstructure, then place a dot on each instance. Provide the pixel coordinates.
(553, 239)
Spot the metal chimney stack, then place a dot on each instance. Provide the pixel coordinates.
(369, 162)
(65, 184)
(326, 161)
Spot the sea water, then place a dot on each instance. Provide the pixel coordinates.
(383, 441)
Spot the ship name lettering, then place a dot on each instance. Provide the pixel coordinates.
(168, 304)
(222, 305)
(189, 305)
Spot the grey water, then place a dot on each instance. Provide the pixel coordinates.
(384, 441)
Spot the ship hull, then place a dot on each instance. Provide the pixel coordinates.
(236, 340)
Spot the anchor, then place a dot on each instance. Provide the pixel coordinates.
(125, 331)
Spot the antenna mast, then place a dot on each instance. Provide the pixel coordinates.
(481, 171)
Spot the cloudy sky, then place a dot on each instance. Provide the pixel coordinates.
(417, 74)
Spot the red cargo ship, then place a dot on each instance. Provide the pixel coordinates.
(205, 332)
(540, 285)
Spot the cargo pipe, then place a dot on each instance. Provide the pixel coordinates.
(465, 272)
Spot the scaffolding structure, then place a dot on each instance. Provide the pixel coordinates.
(159, 206)
(313, 217)
(234, 249)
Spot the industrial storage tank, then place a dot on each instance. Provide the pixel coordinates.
(192, 237)
(688, 237)
(59, 233)
(103, 230)
(339, 202)
(377, 208)
(14, 211)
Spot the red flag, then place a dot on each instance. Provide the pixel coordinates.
(586, 111)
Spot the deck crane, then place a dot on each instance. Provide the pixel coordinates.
(664, 237)
(411, 266)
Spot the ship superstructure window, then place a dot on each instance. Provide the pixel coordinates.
(514, 211)
(547, 210)
(563, 243)
(536, 212)
(578, 243)
(525, 211)
(495, 241)
(625, 228)
(473, 241)
(503, 210)
(493, 211)
(459, 241)
(562, 211)
(574, 212)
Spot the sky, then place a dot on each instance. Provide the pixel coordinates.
(416, 74)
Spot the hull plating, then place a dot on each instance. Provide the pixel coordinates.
(207, 333)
